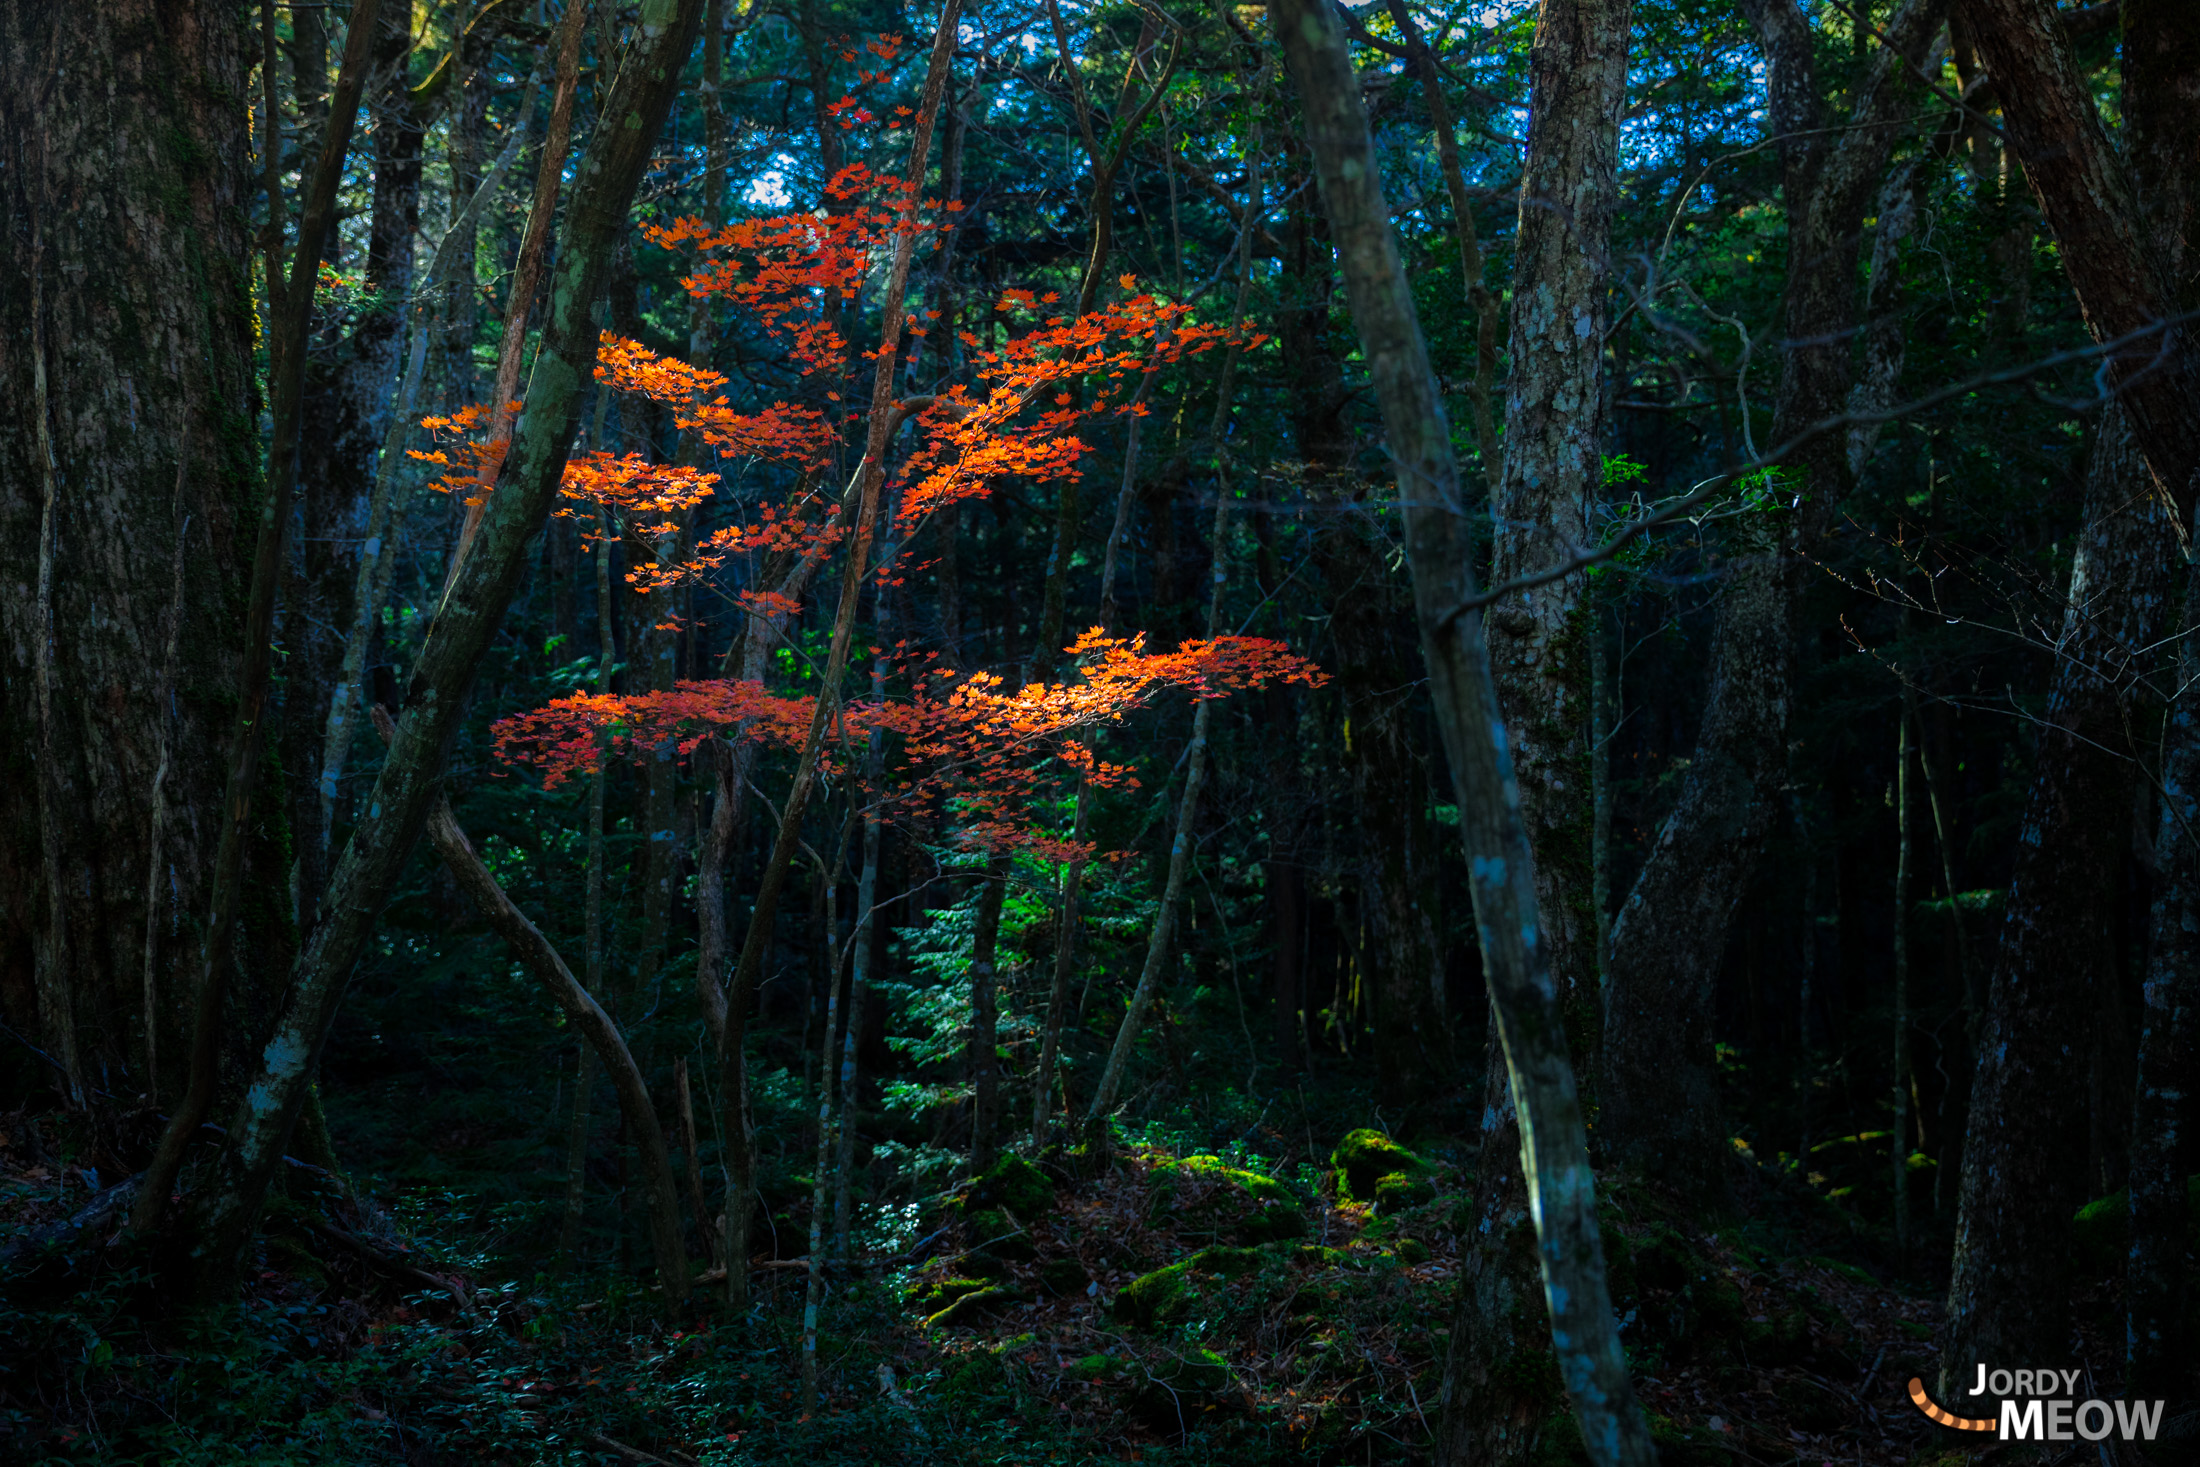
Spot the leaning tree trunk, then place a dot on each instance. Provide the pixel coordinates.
(468, 620)
(2104, 217)
(1540, 655)
(2024, 1157)
(1655, 1079)
(1553, 1138)
(128, 503)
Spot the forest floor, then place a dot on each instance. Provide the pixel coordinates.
(1162, 1304)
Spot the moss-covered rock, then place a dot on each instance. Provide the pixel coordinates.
(1412, 1250)
(1168, 1295)
(1364, 1157)
(1783, 1339)
(1012, 1183)
(993, 1233)
(1094, 1367)
(1401, 1190)
(2102, 1228)
(1234, 1202)
(1194, 1372)
(1686, 1446)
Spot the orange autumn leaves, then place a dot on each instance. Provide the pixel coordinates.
(964, 745)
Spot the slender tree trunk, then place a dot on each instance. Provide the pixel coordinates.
(596, 1027)
(984, 1062)
(1899, 1133)
(468, 619)
(1561, 1188)
(696, 1195)
(576, 1158)
(828, 1117)
(2024, 1158)
(885, 416)
(347, 410)
(128, 446)
(1158, 951)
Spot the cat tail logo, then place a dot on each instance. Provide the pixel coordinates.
(1945, 1418)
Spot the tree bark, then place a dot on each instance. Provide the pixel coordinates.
(1550, 474)
(1554, 1151)
(2124, 278)
(2024, 1157)
(2156, 1286)
(1655, 1079)
(464, 625)
(350, 387)
(127, 454)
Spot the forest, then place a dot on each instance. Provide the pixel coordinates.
(1060, 731)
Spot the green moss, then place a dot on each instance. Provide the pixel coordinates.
(1784, 1339)
(1195, 1372)
(1161, 1297)
(993, 1233)
(929, 1296)
(1253, 1207)
(2102, 1228)
(1412, 1250)
(1012, 1183)
(1400, 1190)
(1364, 1157)
(971, 1305)
(1167, 1295)
(1683, 1446)
(1093, 1367)
(1717, 1312)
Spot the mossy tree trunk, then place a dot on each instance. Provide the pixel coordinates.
(469, 618)
(1554, 1143)
(129, 491)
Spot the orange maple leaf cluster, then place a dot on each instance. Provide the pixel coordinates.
(965, 745)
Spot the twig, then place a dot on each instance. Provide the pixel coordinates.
(1675, 508)
(632, 1454)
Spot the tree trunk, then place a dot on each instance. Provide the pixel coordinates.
(467, 621)
(596, 1027)
(1655, 1077)
(2108, 222)
(129, 495)
(983, 1059)
(2156, 1287)
(1561, 1188)
(2024, 1158)
(1540, 654)
(349, 389)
